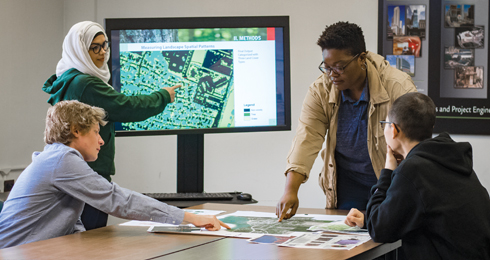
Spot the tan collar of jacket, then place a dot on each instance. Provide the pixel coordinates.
(375, 65)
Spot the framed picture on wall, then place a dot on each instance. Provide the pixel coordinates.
(407, 45)
(459, 15)
(468, 77)
(470, 37)
(405, 63)
(415, 21)
(455, 57)
(396, 21)
(453, 62)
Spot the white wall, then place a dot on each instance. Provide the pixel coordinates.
(31, 33)
(30, 47)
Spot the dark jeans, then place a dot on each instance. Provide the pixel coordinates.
(351, 193)
(93, 218)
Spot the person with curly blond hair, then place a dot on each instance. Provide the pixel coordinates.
(48, 198)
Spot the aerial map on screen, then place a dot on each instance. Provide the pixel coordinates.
(228, 75)
(206, 98)
(203, 101)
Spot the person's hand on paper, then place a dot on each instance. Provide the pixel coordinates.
(207, 221)
(171, 91)
(288, 201)
(354, 218)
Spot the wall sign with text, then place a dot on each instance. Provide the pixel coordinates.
(443, 46)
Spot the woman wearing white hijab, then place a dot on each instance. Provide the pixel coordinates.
(82, 74)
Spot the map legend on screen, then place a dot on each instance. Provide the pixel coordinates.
(246, 114)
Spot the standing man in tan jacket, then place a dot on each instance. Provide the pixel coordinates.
(345, 105)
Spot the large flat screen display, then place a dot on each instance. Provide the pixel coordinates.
(234, 72)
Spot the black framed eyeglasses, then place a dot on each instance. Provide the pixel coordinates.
(387, 122)
(337, 70)
(96, 49)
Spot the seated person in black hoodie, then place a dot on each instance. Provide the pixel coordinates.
(433, 199)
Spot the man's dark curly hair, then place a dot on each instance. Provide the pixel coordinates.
(343, 36)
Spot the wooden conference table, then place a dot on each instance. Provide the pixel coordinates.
(124, 242)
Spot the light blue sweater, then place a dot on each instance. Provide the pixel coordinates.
(48, 198)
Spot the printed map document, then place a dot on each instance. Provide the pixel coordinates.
(262, 227)
(247, 223)
(339, 227)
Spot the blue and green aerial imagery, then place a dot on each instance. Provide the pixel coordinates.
(206, 99)
(267, 225)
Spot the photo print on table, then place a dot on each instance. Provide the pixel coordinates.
(271, 239)
(407, 45)
(396, 21)
(459, 15)
(415, 22)
(468, 77)
(470, 37)
(456, 57)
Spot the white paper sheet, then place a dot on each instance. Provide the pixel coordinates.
(339, 227)
(253, 224)
(138, 223)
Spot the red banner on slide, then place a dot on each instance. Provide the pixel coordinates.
(271, 34)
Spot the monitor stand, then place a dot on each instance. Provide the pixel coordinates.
(190, 163)
(190, 171)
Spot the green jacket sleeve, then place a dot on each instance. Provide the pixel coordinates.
(122, 108)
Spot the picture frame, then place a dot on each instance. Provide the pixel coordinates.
(396, 21)
(468, 77)
(405, 63)
(454, 75)
(459, 15)
(407, 45)
(470, 37)
(415, 21)
(456, 57)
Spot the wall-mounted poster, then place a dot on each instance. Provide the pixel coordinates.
(407, 45)
(405, 63)
(468, 77)
(459, 15)
(470, 37)
(396, 21)
(415, 21)
(456, 57)
(454, 64)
